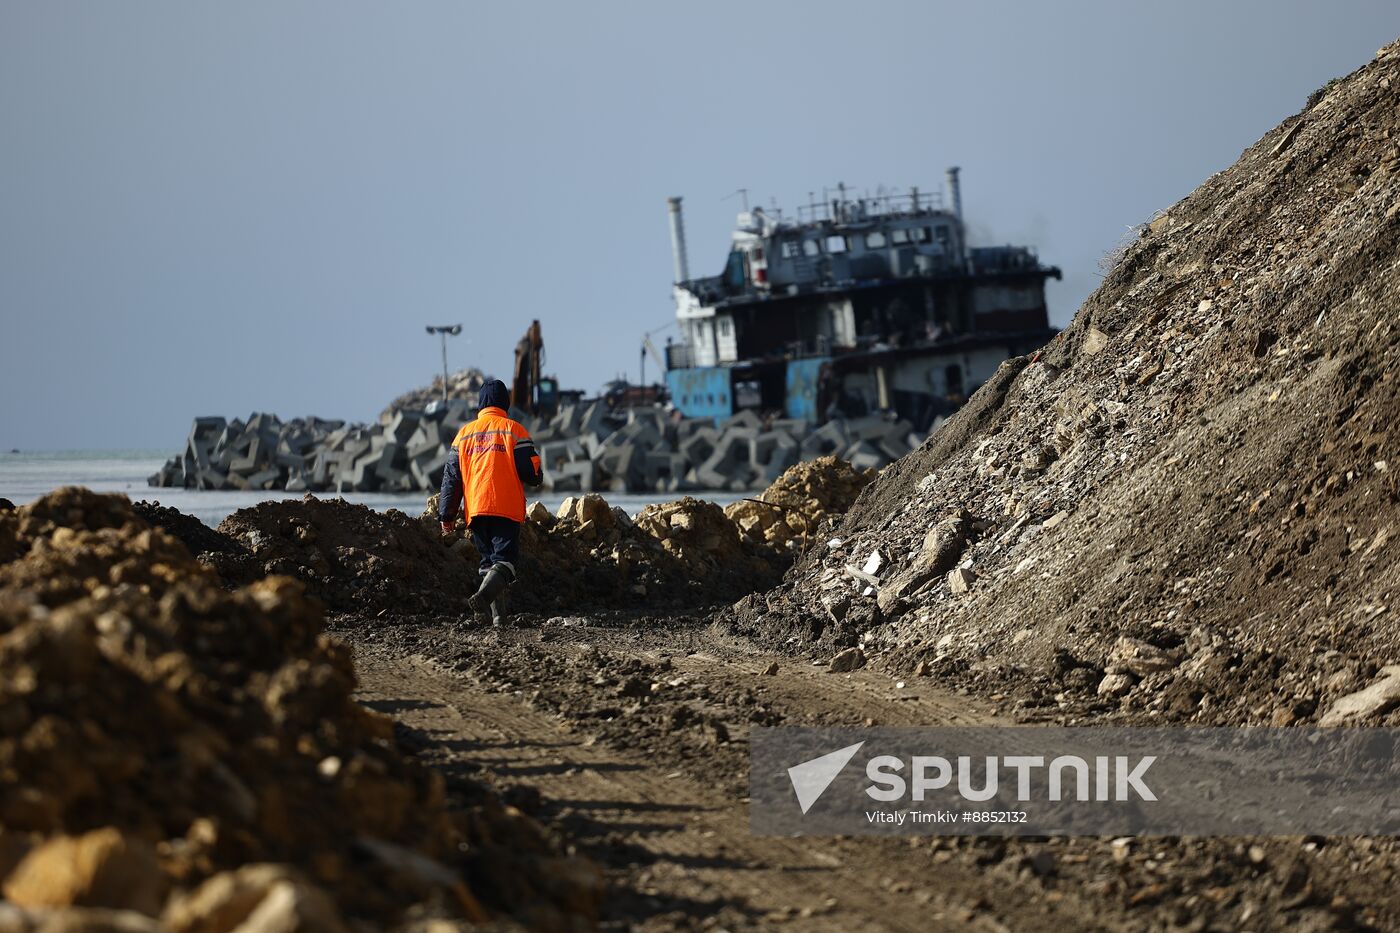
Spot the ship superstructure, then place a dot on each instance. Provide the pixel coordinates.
(861, 304)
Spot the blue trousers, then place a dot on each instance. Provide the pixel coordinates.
(497, 540)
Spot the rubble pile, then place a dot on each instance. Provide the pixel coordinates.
(465, 384)
(807, 495)
(1185, 506)
(682, 555)
(586, 447)
(708, 545)
(175, 756)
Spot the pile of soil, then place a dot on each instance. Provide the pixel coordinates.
(1185, 507)
(588, 557)
(198, 538)
(164, 742)
(800, 502)
(351, 557)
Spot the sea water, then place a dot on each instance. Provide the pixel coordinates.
(25, 477)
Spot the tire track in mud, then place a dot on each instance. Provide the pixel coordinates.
(675, 842)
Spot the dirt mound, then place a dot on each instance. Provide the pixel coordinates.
(353, 558)
(1185, 507)
(806, 495)
(197, 537)
(163, 740)
(588, 557)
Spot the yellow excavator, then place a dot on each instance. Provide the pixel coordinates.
(531, 392)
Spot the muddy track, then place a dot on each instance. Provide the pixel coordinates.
(678, 848)
(630, 740)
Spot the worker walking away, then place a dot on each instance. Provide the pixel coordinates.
(491, 463)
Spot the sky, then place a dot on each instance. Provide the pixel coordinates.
(221, 208)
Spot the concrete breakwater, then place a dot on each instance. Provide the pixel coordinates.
(585, 447)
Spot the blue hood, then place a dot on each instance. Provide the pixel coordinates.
(494, 395)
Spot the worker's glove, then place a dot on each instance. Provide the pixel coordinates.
(448, 527)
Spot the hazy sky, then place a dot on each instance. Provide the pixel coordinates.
(219, 208)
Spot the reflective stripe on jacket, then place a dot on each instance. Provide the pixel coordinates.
(495, 459)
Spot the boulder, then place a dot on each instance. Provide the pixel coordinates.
(845, 661)
(1381, 696)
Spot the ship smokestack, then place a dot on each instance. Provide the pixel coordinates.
(955, 191)
(678, 240)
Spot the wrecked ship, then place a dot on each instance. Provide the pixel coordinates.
(860, 305)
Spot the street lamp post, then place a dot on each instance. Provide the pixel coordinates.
(445, 331)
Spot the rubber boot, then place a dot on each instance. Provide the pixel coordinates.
(498, 610)
(492, 586)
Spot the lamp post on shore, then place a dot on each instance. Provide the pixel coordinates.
(445, 331)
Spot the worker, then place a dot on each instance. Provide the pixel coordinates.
(491, 462)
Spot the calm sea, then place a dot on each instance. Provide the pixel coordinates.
(27, 476)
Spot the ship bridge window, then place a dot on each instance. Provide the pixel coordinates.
(875, 239)
(791, 249)
(812, 247)
(899, 236)
(922, 234)
(836, 243)
(943, 236)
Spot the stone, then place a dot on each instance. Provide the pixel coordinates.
(1379, 697)
(262, 897)
(960, 579)
(102, 868)
(1094, 341)
(1135, 656)
(771, 669)
(1151, 371)
(848, 660)
(1115, 685)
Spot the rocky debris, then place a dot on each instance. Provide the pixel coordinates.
(942, 548)
(463, 385)
(1139, 658)
(800, 501)
(158, 732)
(1198, 450)
(585, 447)
(1379, 697)
(695, 531)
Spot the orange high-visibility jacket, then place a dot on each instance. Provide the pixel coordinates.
(496, 458)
